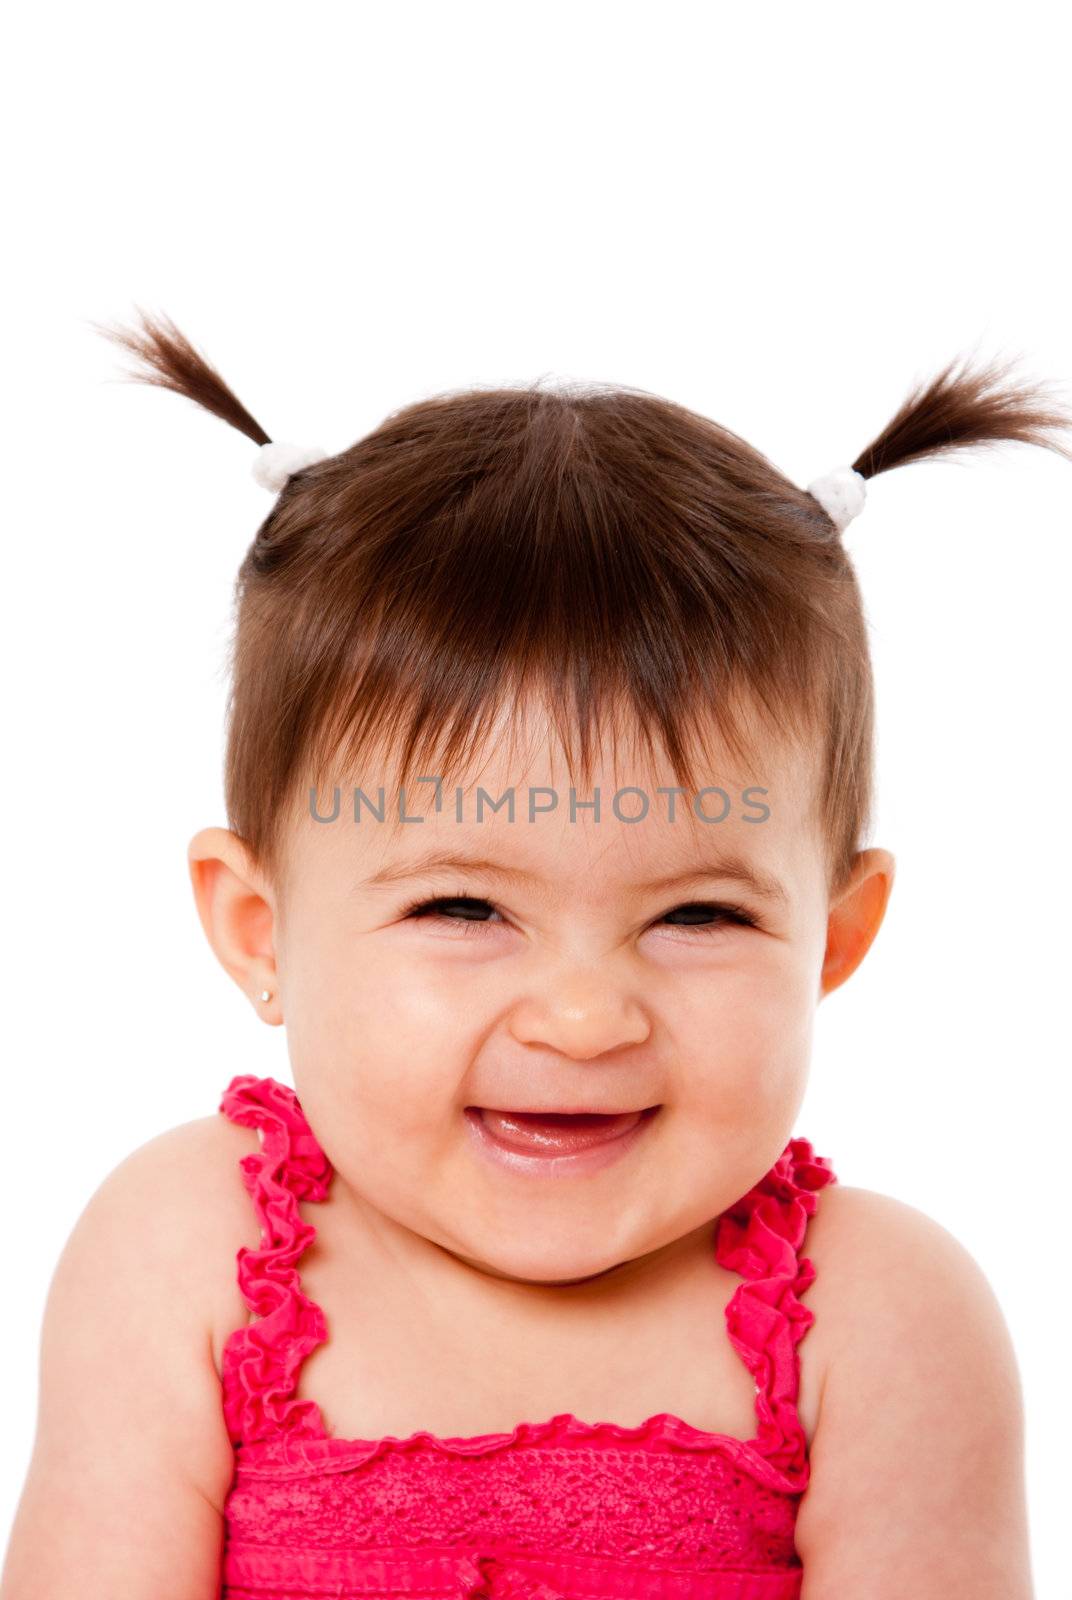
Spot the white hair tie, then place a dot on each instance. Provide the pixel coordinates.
(841, 494)
(276, 461)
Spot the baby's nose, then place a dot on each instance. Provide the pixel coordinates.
(581, 1015)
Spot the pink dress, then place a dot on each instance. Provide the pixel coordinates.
(554, 1510)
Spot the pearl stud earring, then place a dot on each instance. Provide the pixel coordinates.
(266, 994)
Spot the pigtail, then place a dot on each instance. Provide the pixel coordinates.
(170, 361)
(959, 409)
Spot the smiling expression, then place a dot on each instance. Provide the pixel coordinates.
(561, 963)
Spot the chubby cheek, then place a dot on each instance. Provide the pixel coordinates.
(743, 1045)
(372, 1056)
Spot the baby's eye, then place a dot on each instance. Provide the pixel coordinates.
(442, 907)
(704, 914)
(701, 916)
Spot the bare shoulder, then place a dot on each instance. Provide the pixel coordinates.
(917, 1461)
(172, 1216)
(859, 1241)
(129, 1406)
(879, 1258)
(184, 1189)
(191, 1175)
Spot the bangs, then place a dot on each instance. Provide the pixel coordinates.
(416, 741)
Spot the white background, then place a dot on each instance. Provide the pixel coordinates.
(781, 216)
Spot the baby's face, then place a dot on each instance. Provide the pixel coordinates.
(562, 977)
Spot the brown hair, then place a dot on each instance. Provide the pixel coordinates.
(604, 546)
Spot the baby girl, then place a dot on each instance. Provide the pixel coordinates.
(548, 776)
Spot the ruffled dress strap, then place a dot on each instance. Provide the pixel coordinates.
(261, 1362)
(759, 1237)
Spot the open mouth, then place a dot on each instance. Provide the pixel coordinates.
(555, 1133)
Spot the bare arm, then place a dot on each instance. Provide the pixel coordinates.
(917, 1482)
(131, 1460)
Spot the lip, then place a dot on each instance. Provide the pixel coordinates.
(549, 1163)
(563, 1111)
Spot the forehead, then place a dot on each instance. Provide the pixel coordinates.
(519, 805)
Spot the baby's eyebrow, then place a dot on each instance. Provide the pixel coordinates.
(732, 867)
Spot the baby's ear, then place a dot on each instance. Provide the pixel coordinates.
(855, 916)
(237, 913)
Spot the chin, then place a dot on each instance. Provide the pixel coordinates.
(545, 1263)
